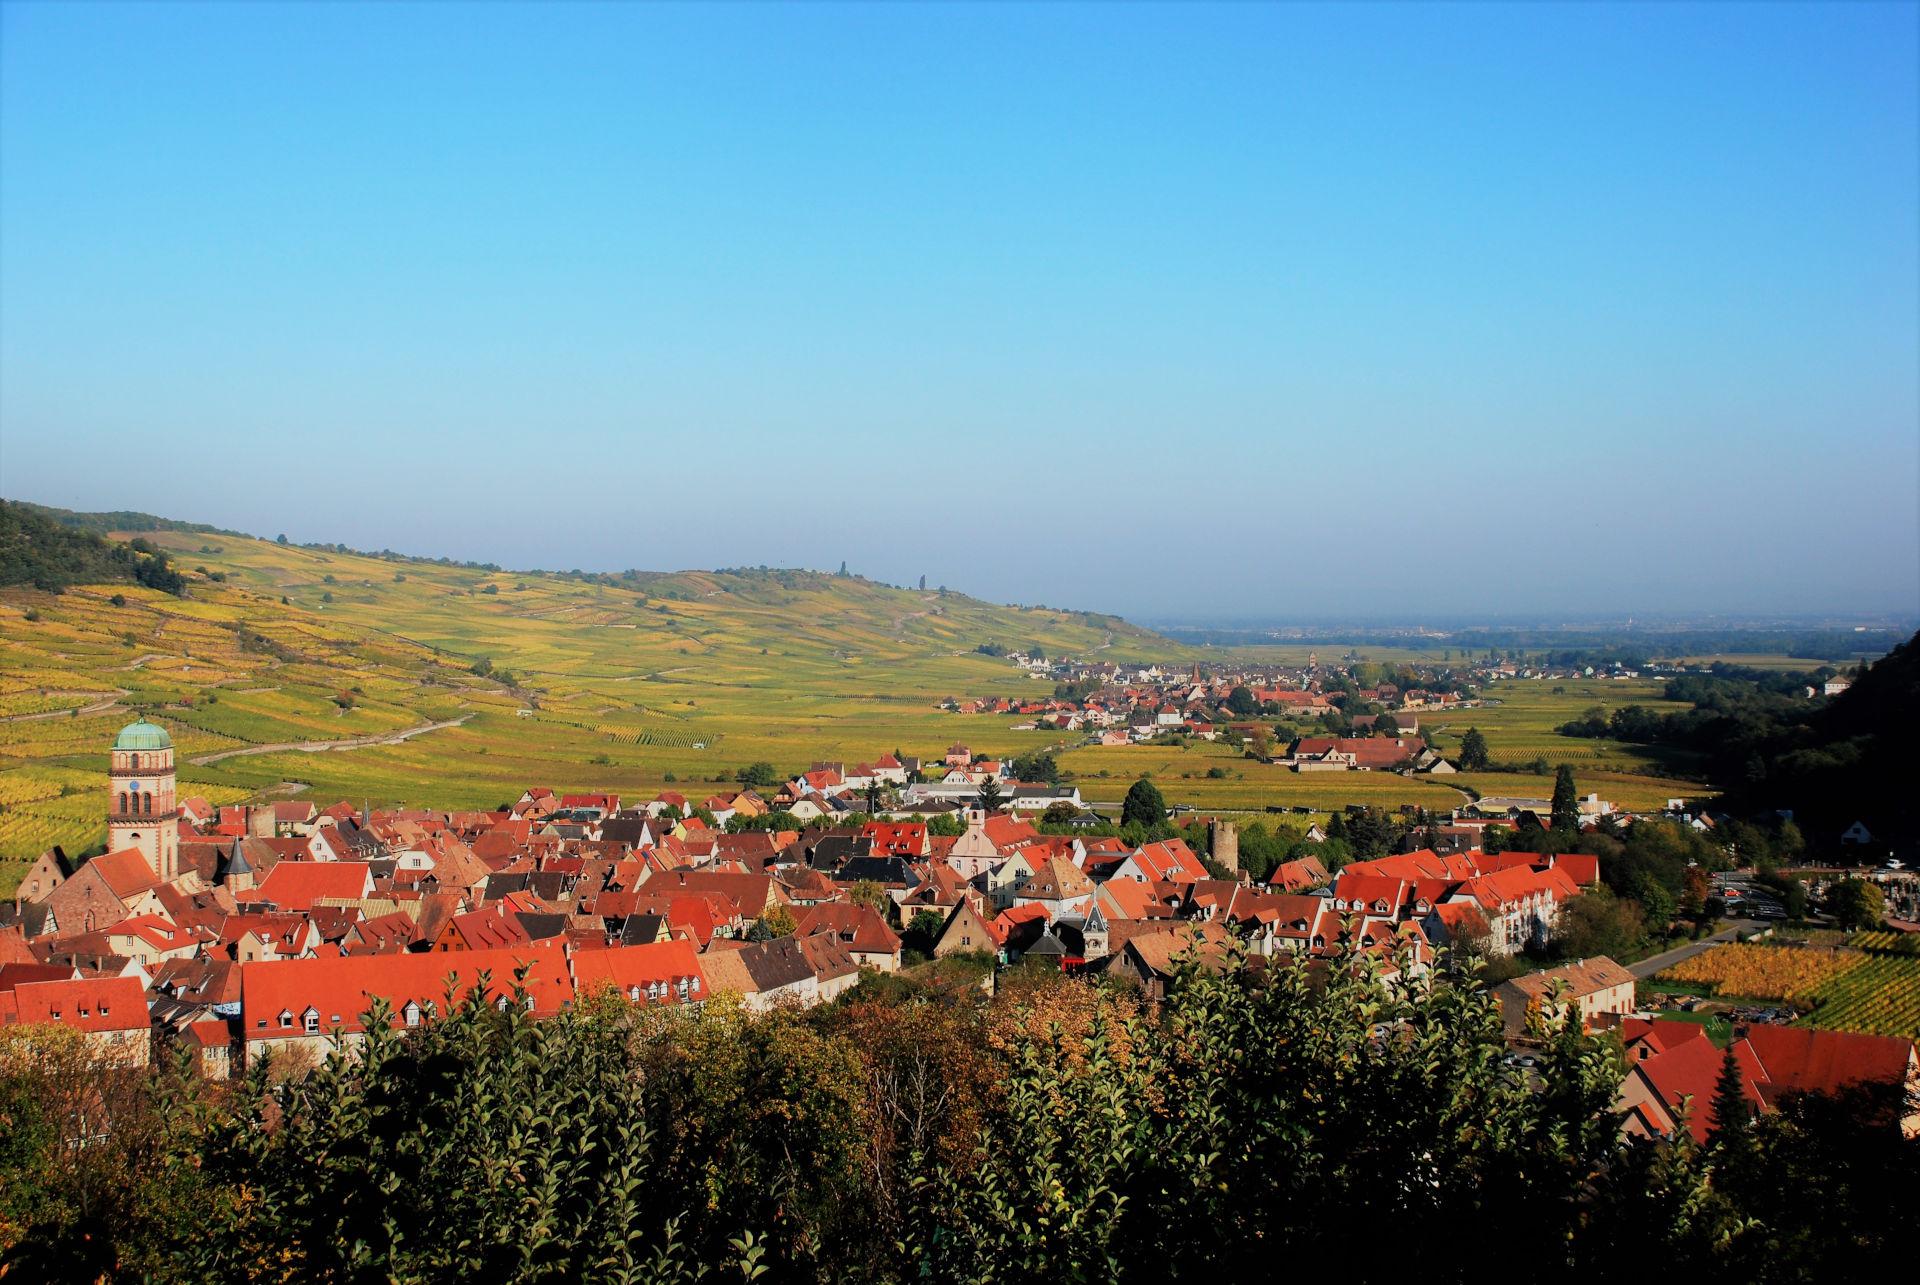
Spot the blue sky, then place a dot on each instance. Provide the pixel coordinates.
(1241, 311)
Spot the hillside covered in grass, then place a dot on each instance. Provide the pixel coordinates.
(285, 669)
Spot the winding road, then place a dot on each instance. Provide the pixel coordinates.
(322, 747)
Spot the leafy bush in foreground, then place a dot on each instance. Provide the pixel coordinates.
(1263, 1115)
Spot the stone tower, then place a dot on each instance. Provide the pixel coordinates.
(141, 810)
(1224, 837)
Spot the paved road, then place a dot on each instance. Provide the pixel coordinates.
(321, 747)
(1653, 964)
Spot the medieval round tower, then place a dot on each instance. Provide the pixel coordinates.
(141, 809)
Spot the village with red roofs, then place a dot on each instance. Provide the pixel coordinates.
(275, 931)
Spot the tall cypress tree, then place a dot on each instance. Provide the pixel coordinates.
(1566, 803)
(1731, 1119)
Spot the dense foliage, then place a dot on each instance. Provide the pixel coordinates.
(1766, 746)
(1061, 1131)
(37, 551)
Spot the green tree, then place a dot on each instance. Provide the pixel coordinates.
(1143, 805)
(1857, 903)
(989, 797)
(1473, 751)
(1732, 1118)
(1037, 766)
(923, 931)
(947, 825)
(760, 774)
(868, 893)
(1566, 800)
(1240, 702)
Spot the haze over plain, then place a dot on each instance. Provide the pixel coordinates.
(1162, 311)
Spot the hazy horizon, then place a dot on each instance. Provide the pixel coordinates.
(1184, 314)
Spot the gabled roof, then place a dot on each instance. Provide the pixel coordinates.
(1691, 1070)
(489, 929)
(1581, 978)
(126, 872)
(295, 885)
(776, 963)
(1811, 1061)
(1171, 860)
(650, 973)
(340, 989)
(1056, 880)
(95, 1004)
(1161, 953)
(858, 928)
(1304, 872)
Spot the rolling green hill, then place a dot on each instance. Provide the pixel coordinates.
(285, 668)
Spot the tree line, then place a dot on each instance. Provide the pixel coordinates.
(38, 551)
(1764, 746)
(1265, 1113)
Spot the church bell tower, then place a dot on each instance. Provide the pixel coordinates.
(141, 810)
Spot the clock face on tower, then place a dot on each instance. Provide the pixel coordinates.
(134, 786)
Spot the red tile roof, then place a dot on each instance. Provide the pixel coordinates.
(296, 885)
(94, 1004)
(340, 989)
(1810, 1061)
(650, 973)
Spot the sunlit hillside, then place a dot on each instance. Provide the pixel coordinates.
(618, 684)
(291, 670)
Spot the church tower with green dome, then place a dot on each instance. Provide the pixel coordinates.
(141, 810)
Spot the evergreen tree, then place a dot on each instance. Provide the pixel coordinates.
(1473, 751)
(1566, 802)
(1732, 1119)
(1144, 805)
(989, 795)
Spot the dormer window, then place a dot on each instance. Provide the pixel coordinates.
(412, 1013)
(311, 1020)
(286, 1019)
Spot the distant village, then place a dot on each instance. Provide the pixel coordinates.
(1372, 726)
(269, 929)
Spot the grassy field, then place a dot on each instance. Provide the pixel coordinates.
(1519, 718)
(620, 685)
